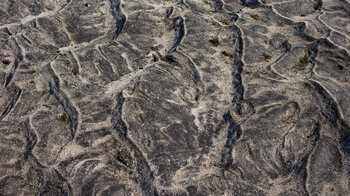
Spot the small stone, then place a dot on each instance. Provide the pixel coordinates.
(125, 157)
(266, 57)
(6, 61)
(214, 42)
(63, 118)
(255, 17)
(317, 6)
(224, 21)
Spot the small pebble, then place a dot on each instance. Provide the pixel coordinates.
(6, 61)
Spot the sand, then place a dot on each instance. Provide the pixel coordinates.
(182, 97)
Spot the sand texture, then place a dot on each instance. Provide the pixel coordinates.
(174, 97)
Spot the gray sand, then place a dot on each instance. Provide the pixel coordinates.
(182, 97)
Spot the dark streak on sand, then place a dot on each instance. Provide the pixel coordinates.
(69, 109)
(118, 16)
